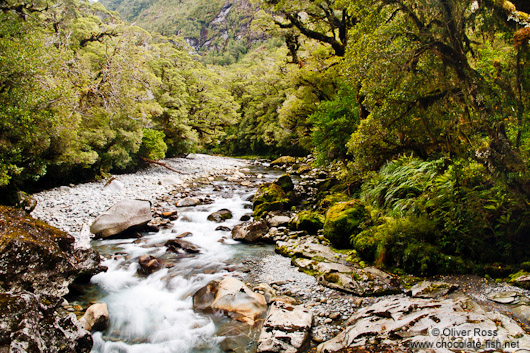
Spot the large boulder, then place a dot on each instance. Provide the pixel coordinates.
(396, 324)
(96, 317)
(309, 221)
(39, 258)
(285, 182)
(123, 216)
(269, 197)
(250, 231)
(344, 220)
(369, 281)
(286, 329)
(37, 264)
(283, 161)
(34, 323)
(232, 297)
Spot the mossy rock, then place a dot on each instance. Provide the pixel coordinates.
(344, 220)
(269, 197)
(284, 160)
(308, 221)
(285, 182)
(332, 199)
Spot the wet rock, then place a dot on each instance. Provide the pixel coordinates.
(32, 323)
(428, 289)
(233, 297)
(245, 218)
(188, 201)
(509, 297)
(123, 216)
(286, 329)
(96, 317)
(149, 264)
(39, 258)
(223, 229)
(178, 245)
(399, 321)
(170, 214)
(184, 235)
(250, 231)
(220, 216)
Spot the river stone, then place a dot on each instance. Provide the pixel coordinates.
(398, 321)
(233, 297)
(509, 297)
(31, 323)
(96, 317)
(428, 289)
(276, 221)
(39, 258)
(286, 329)
(149, 264)
(220, 216)
(123, 216)
(188, 201)
(250, 231)
(175, 245)
(309, 247)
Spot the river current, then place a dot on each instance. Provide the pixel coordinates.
(154, 313)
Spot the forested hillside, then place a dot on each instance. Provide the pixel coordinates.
(220, 30)
(421, 108)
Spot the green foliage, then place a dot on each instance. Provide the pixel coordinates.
(344, 220)
(333, 123)
(153, 145)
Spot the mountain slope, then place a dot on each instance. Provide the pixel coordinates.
(218, 26)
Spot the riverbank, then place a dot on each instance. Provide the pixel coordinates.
(73, 208)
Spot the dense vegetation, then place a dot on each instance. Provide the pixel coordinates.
(421, 107)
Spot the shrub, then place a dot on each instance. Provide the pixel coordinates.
(153, 145)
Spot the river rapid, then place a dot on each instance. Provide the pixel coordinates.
(154, 313)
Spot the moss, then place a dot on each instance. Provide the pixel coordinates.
(332, 278)
(512, 279)
(283, 160)
(269, 197)
(308, 221)
(344, 220)
(285, 182)
(332, 199)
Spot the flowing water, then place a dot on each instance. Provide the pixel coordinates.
(154, 313)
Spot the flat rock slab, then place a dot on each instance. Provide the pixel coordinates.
(123, 216)
(286, 329)
(428, 289)
(309, 248)
(368, 281)
(399, 322)
(509, 297)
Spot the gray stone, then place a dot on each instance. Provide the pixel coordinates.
(309, 247)
(399, 321)
(276, 221)
(250, 231)
(428, 289)
(368, 281)
(123, 216)
(188, 201)
(286, 329)
(509, 297)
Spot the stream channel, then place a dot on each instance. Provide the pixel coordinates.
(155, 313)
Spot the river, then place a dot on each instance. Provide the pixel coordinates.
(154, 313)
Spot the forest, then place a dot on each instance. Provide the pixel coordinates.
(419, 107)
